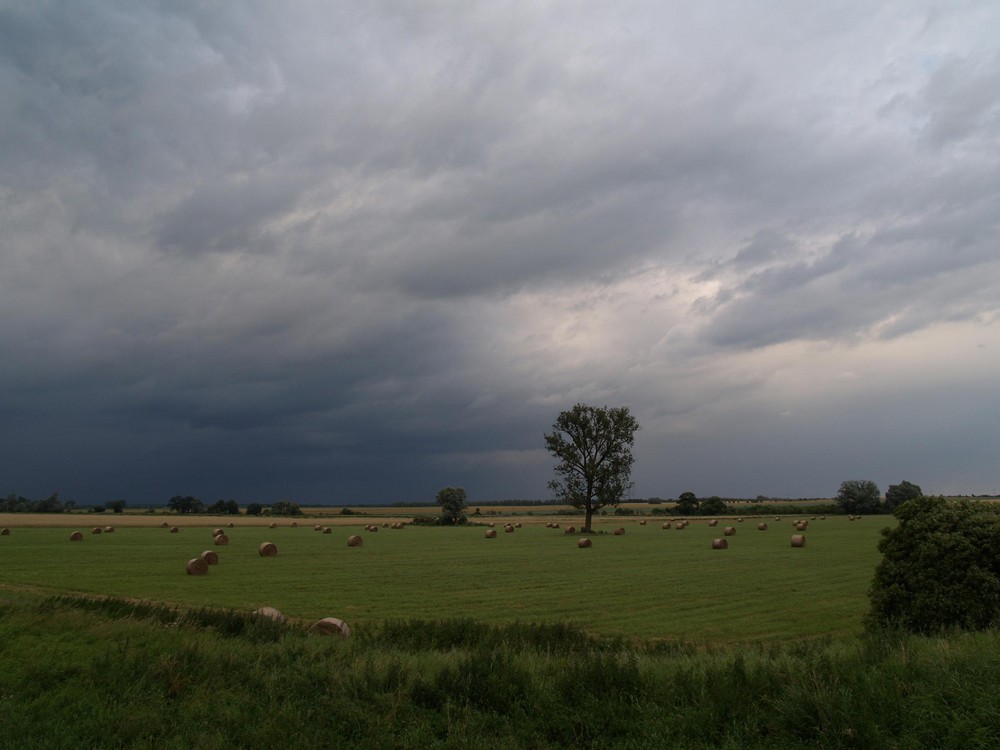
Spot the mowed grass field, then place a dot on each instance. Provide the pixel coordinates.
(649, 583)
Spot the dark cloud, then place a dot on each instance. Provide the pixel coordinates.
(352, 253)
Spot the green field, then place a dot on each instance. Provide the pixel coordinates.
(649, 583)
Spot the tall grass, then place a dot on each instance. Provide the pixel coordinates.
(84, 672)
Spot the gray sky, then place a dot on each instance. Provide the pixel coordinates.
(348, 252)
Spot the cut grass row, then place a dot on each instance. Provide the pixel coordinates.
(650, 583)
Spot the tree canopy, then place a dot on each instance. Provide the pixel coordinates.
(453, 504)
(859, 496)
(939, 567)
(898, 494)
(594, 448)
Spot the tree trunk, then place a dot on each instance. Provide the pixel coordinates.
(586, 522)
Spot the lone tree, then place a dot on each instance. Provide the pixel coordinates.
(594, 449)
(687, 504)
(452, 502)
(859, 496)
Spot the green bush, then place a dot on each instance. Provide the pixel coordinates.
(939, 568)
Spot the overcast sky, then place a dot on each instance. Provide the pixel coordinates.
(347, 252)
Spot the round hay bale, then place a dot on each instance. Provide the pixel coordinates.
(680, 526)
(642, 523)
(798, 540)
(317, 527)
(164, 525)
(294, 524)
(665, 525)
(385, 525)
(777, 518)
(555, 526)
(373, 527)
(619, 531)
(221, 539)
(714, 522)
(210, 557)
(720, 544)
(174, 530)
(354, 541)
(272, 525)
(584, 542)
(216, 532)
(327, 530)
(491, 533)
(508, 529)
(267, 549)
(109, 529)
(76, 536)
(729, 531)
(197, 567)
(96, 530)
(491, 524)
(569, 530)
(762, 527)
(5, 532)
(271, 613)
(230, 525)
(822, 518)
(517, 525)
(332, 626)
(739, 520)
(801, 526)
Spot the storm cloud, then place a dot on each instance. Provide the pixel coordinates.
(349, 253)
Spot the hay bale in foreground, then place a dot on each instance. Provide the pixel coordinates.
(798, 540)
(508, 529)
(4, 532)
(332, 626)
(729, 531)
(801, 526)
(272, 525)
(714, 522)
(164, 525)
(491, 533)
(197, 567)
(762, 527)
(517, 525)
(271, 613)
(720, 544)
(569, 530)
(327, 530)
(76, 536)
(96, 530)
(109, 529)
(267, 549)
(216, 532)
(354, 541)
(210, 557)
(230, 525)
(584, 542)
(620, 531)
(174, 530)
(317, 527)
(221, 539)
(666, 525)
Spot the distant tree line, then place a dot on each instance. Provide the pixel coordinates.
(19, 504)
(186, 504)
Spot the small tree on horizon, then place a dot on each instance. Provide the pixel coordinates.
(594, 449)
(859, 496)
(453, 504)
